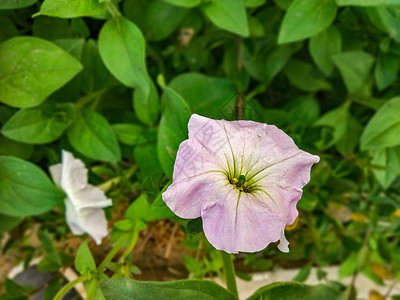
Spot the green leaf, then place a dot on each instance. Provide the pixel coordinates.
(12, 4)
(48, 246)
(295, 291)
(140, 209)
(41, 124)
(92, 135)
(389, 159)
(146, 104)
(367, 2)
(71, 8)
(8, 222)
(390, 20)
(121, 46)
(386, 70)
(31, 69)
(13, 148)
(129, 289)
(228, 14)
(348, 142)
(300, 75)
(383, 128)
(254, 3)
(158, 23)
(303, 274)
(305, 18)
(184, 3)
(130, 134)
(25, 189)
(323, 45)
(208, 96)
(84, 260)
(349, 266)
(355, 68)
(337, 120)
(9, 29)
(172, 129)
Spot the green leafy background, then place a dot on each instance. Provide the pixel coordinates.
(115, 82)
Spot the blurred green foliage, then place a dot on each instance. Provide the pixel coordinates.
(115, 82)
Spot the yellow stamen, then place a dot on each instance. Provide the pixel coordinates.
(235, 180)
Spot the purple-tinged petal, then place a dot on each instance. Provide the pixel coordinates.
(283, 244)
(232, 223)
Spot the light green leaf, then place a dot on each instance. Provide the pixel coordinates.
(389, 159)
(121, 46)
(12, 4)
(355, 68)
(208, 96)
(92, 135)
(300, 75)
(367, 2)
(71, 8)
(322, 46)
(229, 15)
(84, 260)
(141, 209)
(31, 69)
(305, 18)
(25, 189)
(172, 129)
(386, 70)
(390, 19)
(184, 3)
(349, 266)
(383, 129)
(129, 289)
(41, 124)
(130, 134)
(295, 291)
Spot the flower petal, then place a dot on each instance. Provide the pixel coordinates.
(74, 173)
(90, 196)
(55, 172)
(90, 220)
(195, 169)
(283, 244)
(232, 223)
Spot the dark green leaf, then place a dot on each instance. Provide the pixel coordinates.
(389, 159)
(128, 289)
(13, 148)
(41, 124)
(92, 135)
(305, 18)
(31, 69)
(355, 67)
(8, 222)
(386, 70)
(303, 274)
(130, 134)
(323, 45)
(12, 4)
(25, 189)
(295, 291)
(184, 3)
(207, 96)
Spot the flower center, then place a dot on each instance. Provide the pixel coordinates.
(241, 184)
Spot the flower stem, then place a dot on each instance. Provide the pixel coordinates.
(229, 270)
(132, 243)
(68, 286)
(112, 253)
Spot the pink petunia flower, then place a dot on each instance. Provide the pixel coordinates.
(243, 178)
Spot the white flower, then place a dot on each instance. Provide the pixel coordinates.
(84, 202)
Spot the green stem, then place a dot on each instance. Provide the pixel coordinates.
(71, 284)
(229, 270)
(132, 243)
(94, 283)
(112, 9)
(112, 253)
(105, 186)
